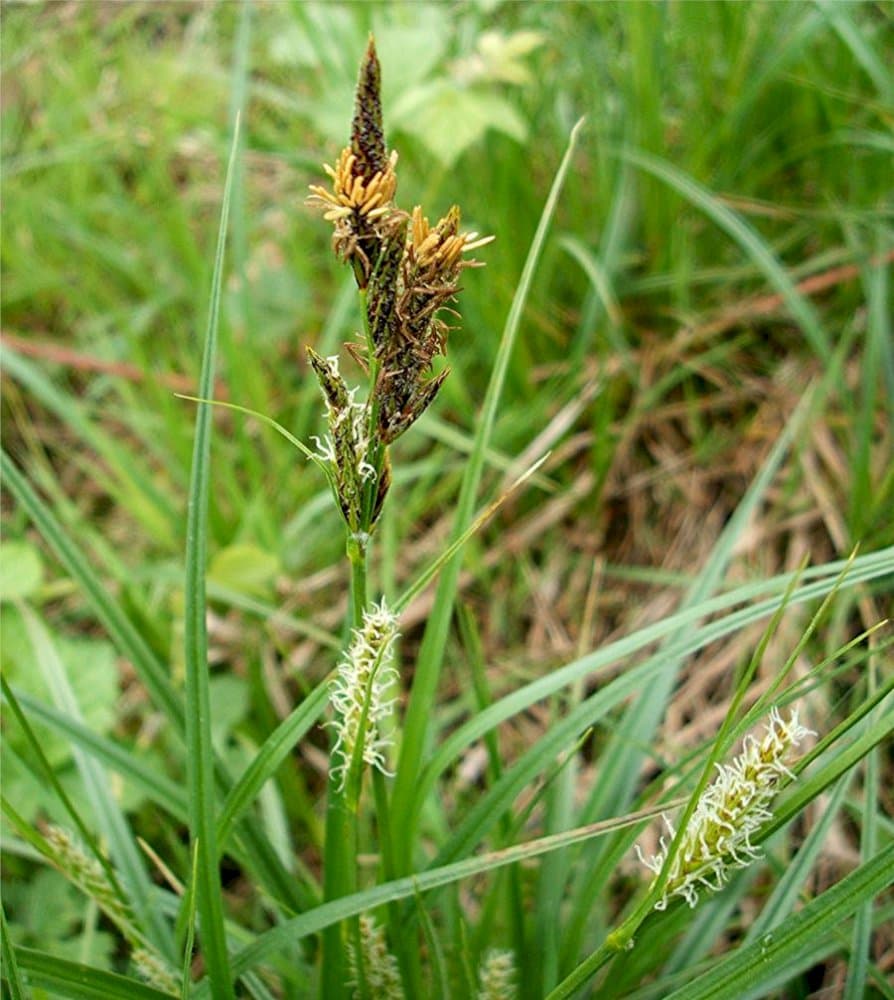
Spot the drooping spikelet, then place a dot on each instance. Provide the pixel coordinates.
(360, 692)
(735, 805)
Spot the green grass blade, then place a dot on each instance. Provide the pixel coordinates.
(200, 757)
(858, 41)
(315, 920)
(152, 673)
(80, 982)
(748, 238)
(270, 755)
(112, 823)
(861, 941)
(797, 871)
(161, 790)
(842, 760)
(624, 755)
(130, 484)
(46, 773)
(431, 653)
(113, 619)
(756, 969)
(684, 622)
(8, 962)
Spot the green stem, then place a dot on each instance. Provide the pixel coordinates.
(340, 859)
(401, 939)
(357, 557)
(618, 941)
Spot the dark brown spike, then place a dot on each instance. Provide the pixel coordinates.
(393, 422)
(383, 286)
(383, 486)
(367, 135)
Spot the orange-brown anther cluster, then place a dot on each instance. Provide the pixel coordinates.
(352, 192)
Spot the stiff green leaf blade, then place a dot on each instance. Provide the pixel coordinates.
(9, 964)
(769, 962)
(268, 758)
(748, 238)
(200, 756)
(433, 644)
(80, 982)
(111, 819)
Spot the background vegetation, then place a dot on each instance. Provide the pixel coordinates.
(717, 273)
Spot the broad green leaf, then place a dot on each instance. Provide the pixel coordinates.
(244, 569)
(448, 119)
(21, 571)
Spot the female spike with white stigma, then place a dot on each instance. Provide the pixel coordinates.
(734, 806)
(360, 692)
(380, 972)
(497, 976)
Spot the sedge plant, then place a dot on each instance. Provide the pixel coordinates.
(613, 917)
(407, 273)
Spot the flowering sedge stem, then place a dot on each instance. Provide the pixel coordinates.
(356, 550)
(340, 868)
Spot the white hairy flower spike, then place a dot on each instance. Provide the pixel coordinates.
(155, 971)
(380, 971)
(497, 976)
(85, 872)
(717, 838)
(360, 691)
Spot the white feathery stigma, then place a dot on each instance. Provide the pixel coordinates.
(360, 691)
